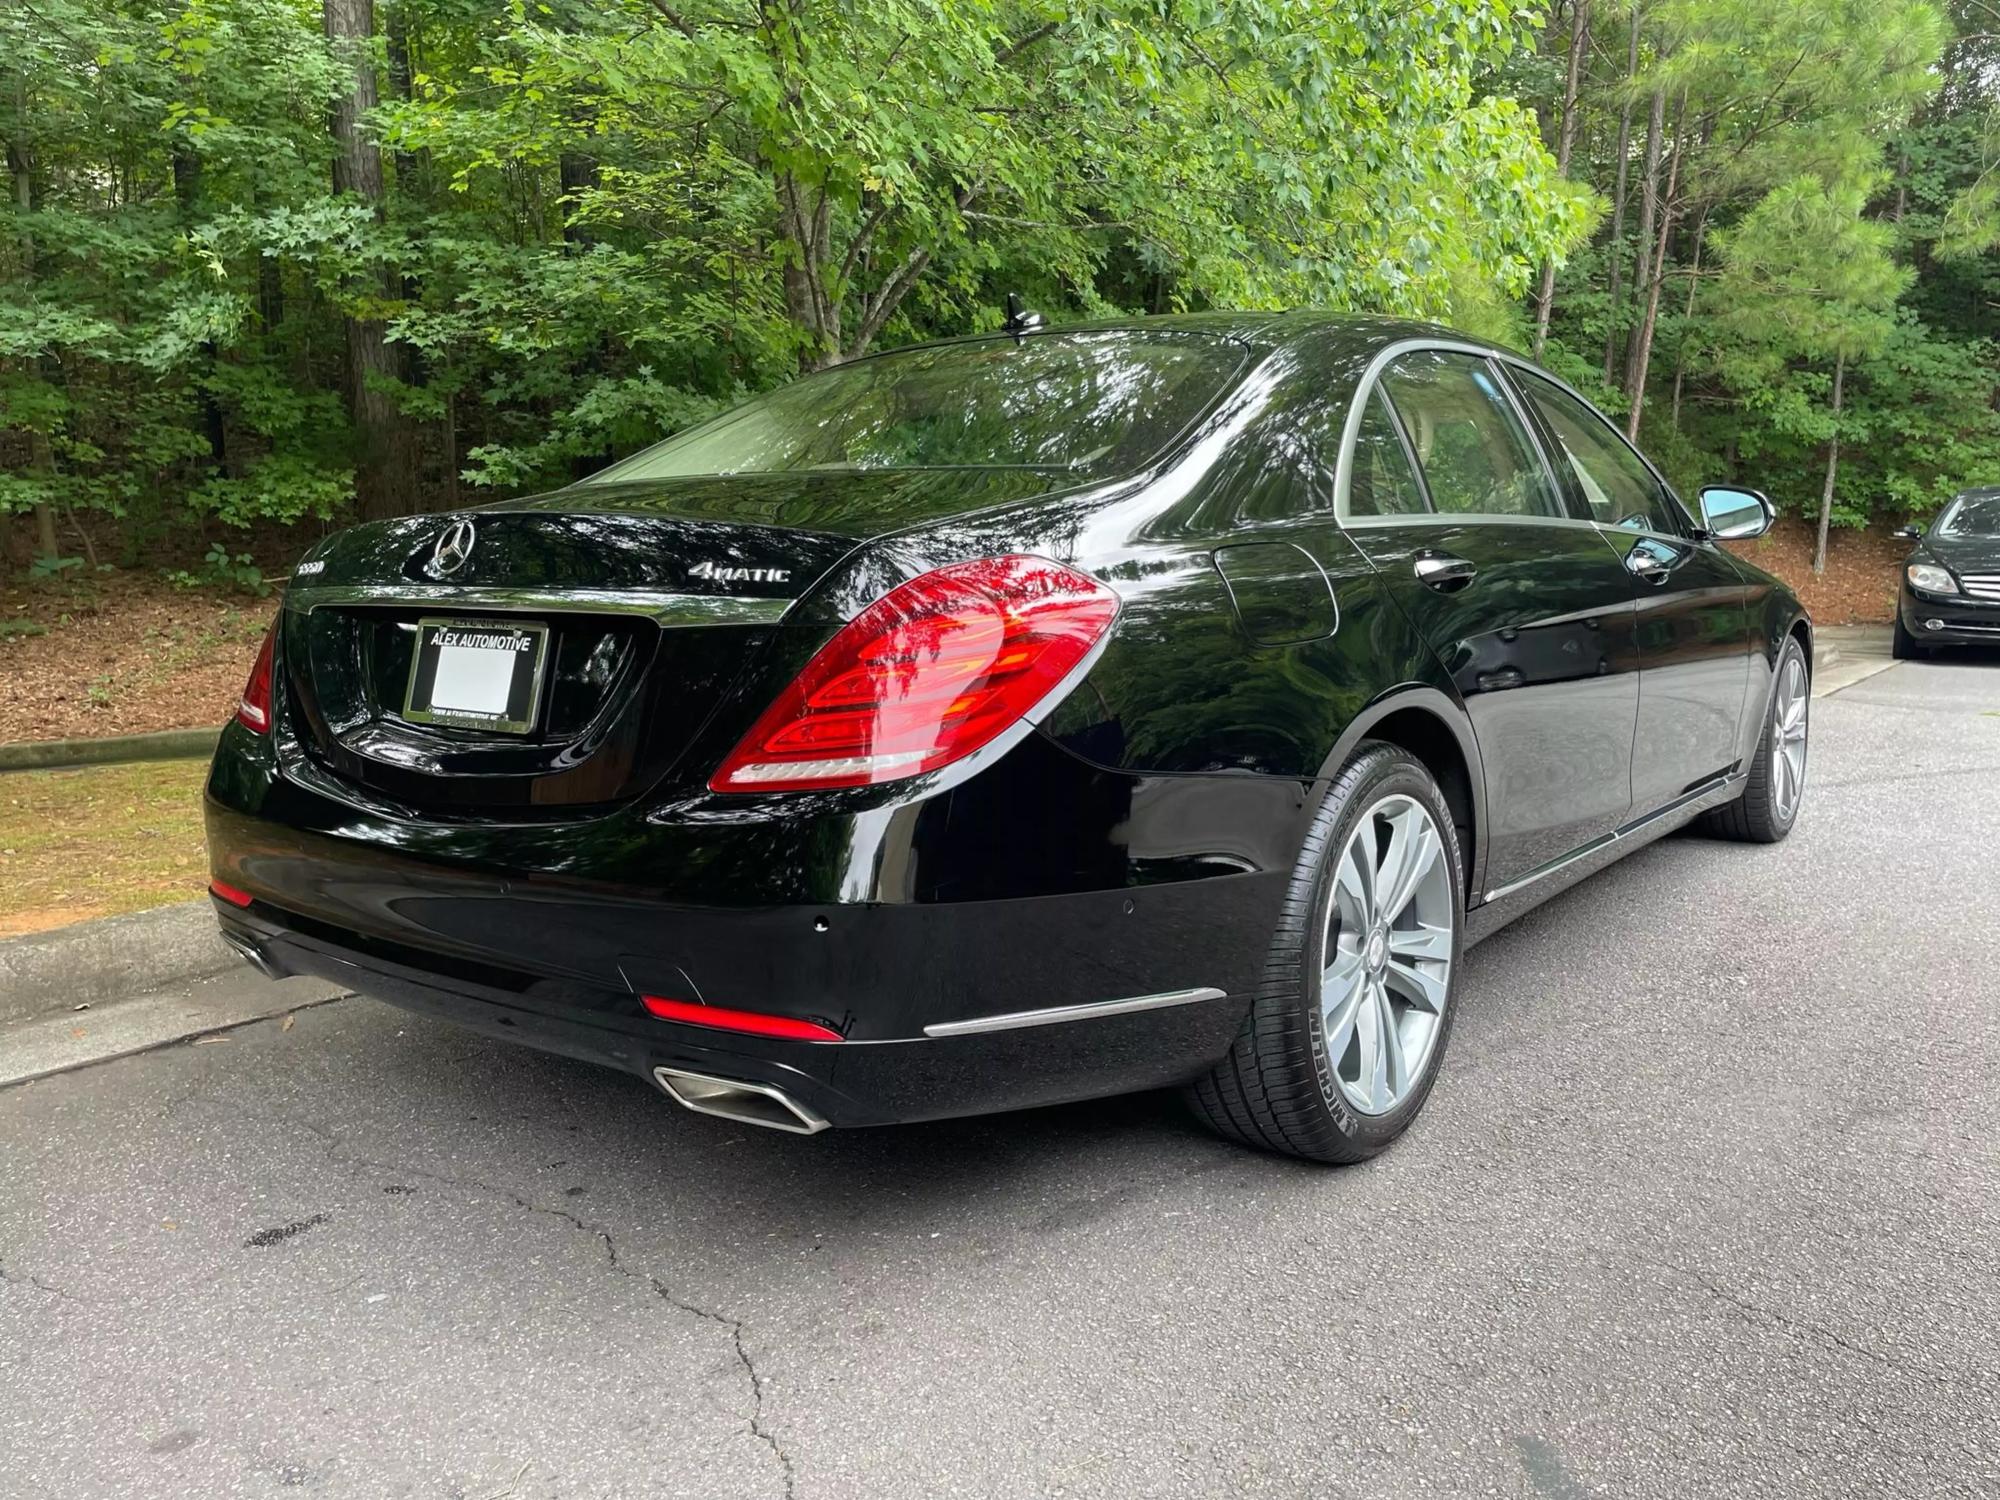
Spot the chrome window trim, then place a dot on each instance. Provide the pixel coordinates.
(1371, 377)
(665, 608)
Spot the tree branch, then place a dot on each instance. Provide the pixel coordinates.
(678, 21)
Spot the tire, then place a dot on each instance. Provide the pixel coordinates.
(1279, 1089)
(1903, 646)
(1761, 815)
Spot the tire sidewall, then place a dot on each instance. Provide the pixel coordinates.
(1386, 771)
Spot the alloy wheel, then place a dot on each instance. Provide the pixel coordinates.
(1788, 738)
(1388, 950)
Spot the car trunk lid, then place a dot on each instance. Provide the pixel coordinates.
(657, 600)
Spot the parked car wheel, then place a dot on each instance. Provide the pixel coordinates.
(1770, 803)
(1904, 646)
(1344, 1041)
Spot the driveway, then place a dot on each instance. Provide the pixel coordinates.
(1707, 1203)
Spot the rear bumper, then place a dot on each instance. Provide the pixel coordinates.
(842, 1083)
(1042, 885)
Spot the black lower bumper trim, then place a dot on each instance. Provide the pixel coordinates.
(840, 1083)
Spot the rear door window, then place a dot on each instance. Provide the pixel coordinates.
(1476, 457)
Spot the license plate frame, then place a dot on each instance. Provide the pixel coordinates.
(524, 684)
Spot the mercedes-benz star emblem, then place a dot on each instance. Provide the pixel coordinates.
(454, 546)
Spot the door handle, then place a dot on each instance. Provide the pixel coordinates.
(1444, 572)
(1641, 564)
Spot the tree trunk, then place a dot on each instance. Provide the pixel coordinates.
(1579, 38)
(21, 170)
(804, 222)
(384, 480)
(1642, 348)
(1618, 198)
(1687, 316)
(1832, 467)
(1649, 209)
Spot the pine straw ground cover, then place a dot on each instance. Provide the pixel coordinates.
(98, 841)
(121, 653)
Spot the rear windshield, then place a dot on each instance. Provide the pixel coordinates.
(1071, 402)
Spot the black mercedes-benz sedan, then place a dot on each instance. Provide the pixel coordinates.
(1013, 720)
(1950, 592)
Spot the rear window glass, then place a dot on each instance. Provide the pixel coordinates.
(1083, 402)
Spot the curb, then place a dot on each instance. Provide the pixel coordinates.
(53, 755)
(109, 959)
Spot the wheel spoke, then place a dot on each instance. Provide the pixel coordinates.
(1373, 1074)
(1421, 941)
(1340, 1009)
(1416, 985)
(1413, 850)
(1342, 973)
(1354, 885)
(1395, 1071)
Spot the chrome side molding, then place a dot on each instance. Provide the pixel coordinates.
(733, 1099)
(1057, 1015)
(1617, 835)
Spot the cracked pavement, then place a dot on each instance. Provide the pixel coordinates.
(1705, 1204)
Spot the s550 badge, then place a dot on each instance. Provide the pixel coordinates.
(715, 574)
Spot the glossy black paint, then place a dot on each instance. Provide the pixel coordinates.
(1138, 839)
(1967, 619)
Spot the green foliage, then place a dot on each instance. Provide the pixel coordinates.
(604, 221)
(1833, 220)
(222, 568)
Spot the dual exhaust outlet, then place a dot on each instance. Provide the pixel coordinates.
(733, 1099)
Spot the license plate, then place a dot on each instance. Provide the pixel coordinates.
(477, 674)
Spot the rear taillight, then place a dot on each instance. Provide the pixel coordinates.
(253, 709)
(928, 673)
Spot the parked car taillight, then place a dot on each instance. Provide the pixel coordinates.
(927, 674)
(253, 709)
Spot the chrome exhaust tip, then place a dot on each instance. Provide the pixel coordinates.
(256, 957)
(732, 1099)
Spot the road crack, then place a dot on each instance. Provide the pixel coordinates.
(342, 1156)
(18, 1278)
(1807, 1332)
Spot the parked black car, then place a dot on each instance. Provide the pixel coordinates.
(1014, 720)
(1950, 593)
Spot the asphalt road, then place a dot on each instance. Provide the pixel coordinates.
(1705, 1205)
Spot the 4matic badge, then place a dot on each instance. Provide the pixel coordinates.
(716, 574)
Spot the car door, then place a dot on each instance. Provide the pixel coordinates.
(1693, 628)
(1528, 609)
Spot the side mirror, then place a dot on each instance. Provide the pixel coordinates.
(1910, 533)
(1735, 515)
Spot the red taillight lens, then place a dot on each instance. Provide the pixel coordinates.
(226, 892)
(750, 1022)
(253, 709)
(931, 671)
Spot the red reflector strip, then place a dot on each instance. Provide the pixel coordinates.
(228, 893)
(751, 1022)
